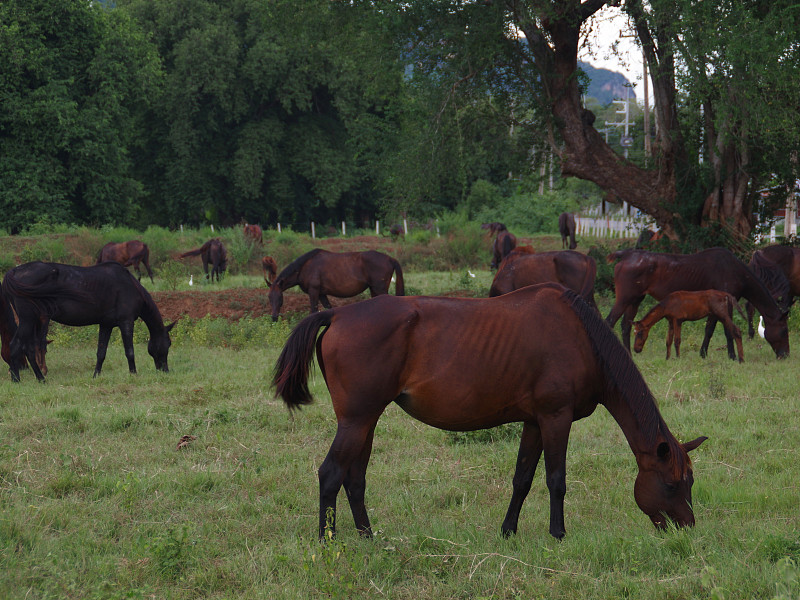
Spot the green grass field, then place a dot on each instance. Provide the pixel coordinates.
(96, 501)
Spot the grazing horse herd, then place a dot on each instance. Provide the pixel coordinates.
(453, 363)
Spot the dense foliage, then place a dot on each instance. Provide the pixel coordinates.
(201, 112)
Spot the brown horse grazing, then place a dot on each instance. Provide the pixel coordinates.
(504, 242)
(539, 355)
(682, 306)
(784, 284)
(127, 254)
(106, 295)
(639, 272)
(571, 269)
(566, 227)
(270, 268)
(253, 232)
(340, 274)
(213, 252)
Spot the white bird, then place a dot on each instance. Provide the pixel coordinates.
(761, 326)
(191, 282)
(471, 274)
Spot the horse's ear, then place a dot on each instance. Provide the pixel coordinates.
(689, 446)
(169, 327)
(268, 283)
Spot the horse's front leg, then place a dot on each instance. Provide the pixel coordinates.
(727, 325)
(313, 299)
(530, 450)
(710, 325)
(750, 310)
(555, 433)
(102, 346)
(627, 322)
(677, 339)
(126, 331)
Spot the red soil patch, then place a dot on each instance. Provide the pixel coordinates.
(232, 304)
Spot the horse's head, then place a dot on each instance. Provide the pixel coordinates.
(663, 488)
(276, 298)
(640, 336)
(270, 270)
(776, 332)
(158, 347)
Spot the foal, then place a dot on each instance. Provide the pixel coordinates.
(682, 306)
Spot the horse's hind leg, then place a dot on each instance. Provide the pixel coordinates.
(102, 346)
(530, 450)
(355, 484)
(349, 446)
(555, 434)
(324, 300)
(737, 335)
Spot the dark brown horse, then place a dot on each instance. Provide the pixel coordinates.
(270, 268)
(566, 227)
(682, 306)
(639, 273)
(212, 253)
(106, 295)
(571, 269)
(127, 254)
(254, 233)
(782, 265)
(320, 273)
(539, 355)
(504, 242)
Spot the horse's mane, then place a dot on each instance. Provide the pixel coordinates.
(773, 278)
(622, 377)
(297, 264)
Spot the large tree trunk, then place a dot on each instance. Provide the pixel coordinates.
(553, 34)
(584, 152)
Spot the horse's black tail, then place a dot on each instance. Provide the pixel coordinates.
(194, 252)
(399, 285)
(290, 377)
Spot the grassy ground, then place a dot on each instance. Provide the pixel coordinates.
(97, 502)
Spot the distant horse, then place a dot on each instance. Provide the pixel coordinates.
(270, 268)
(539, 355)
(647, 237)
(682, 306)
(127, 254)
(213, 252)
(782, 265)
(320, 273)
(8, 328)
(106, 295)
(566, 227)
(571, 269)
(253, 232)
(639, 272)
(504, 242)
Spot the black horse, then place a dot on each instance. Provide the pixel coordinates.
(213, 252)
(107, 295)
(566, 227)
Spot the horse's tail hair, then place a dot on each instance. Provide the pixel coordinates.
(399, 285)
(194, 252)
(290, 377)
